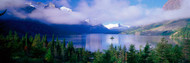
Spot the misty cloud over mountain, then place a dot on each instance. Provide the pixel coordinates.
(97, 12)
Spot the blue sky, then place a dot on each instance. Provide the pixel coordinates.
(150, 3)
(147, 3)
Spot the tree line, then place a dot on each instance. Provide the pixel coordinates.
(37, 49)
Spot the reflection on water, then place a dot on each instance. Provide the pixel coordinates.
(93, 42)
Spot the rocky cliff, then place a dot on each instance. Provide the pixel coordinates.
(172, 4)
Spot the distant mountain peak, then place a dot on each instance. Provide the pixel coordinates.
(65, 9)
(172, 5)
(116, 26)
(50, 5)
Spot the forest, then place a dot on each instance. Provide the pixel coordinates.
(37, 49)
(183, 32)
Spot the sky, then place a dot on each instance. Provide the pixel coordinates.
(94, 12)
(148, 3)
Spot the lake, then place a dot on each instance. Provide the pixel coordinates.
(93, 42)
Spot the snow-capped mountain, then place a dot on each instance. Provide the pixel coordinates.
(65, 9)
(118, 27)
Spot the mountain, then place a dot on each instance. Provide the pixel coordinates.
(161, 28)
(183, 32)
(27, 9)
(172, 4)
(9, 22)
(23, 26)
(117, 27)
(50, 5)
(82, 28)
(32, 27)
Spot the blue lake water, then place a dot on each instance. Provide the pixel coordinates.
(93, 42)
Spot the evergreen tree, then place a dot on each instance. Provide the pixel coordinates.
(98, 57)
(124, 54)
(64, 43)
(85, 56)
(37, 47)
(163, 50)
(26, 42)
(16, 37)
(45, 42)
(10, 36)
(37, 41)
(58, 47)
(69, 52)
(177, 54)
(146, 53)
(52, 45)
(132, 58)
(63, 48)
(110, 55)
(48, 56)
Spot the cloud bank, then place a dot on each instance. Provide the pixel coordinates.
(105, 11)
(4, 4)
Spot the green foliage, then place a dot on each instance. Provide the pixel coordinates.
(36, 50)
(58, 47)
(45, 42)
(98, 57)
(183, 32)
(132, 56)
(145, 55)
(48, 56)
(167, 53)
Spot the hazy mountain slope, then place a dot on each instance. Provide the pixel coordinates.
(25, 26)
(32, 27)
(82, 28)
(183, 32)
(162, 28)
(171, 25)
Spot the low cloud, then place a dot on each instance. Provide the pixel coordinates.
(107, 11)
(159, 15)
(4, 4)
(55, 15)
(99, 12)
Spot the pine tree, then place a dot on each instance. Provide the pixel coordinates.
(177, 54)
(110, 55)
(37, 41)
(45, 42)
(64, 43)
(146, 53)
(163, 50)
(48, 56)
(132, 58)
(52, 46)
(58, 47)
(16, 37)
(26, 42)
(98, 57)
(10, 36)
(124, 54)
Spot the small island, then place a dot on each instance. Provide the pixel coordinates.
(112, 38)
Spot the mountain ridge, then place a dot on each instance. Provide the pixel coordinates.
(161, 28)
